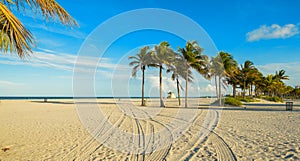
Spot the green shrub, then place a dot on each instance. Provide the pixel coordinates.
(246, 99)
(260, 97)
(274, 99)
(232, 101)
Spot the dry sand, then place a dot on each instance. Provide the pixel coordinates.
(34, 130)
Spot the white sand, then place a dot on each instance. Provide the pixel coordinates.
(32, 130)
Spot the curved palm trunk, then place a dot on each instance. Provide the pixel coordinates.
(143, 84)
(178, 92)
(186, 90)
(160, 87)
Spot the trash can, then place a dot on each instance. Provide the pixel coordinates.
(289, 106)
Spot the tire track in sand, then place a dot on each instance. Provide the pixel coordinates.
(155, 154)
(138, 138)
(103, 133)
(86, 143)
(223, 151)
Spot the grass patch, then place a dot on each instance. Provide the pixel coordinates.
(232, 101)
(274, 99)
(247, 99)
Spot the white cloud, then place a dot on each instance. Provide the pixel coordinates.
(210, 88)
(291, 69)
(62, 61)
(58, 29)
(274, 31)
(9, 83)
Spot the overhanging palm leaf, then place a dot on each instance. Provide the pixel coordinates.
(48, 9)
(20, 39)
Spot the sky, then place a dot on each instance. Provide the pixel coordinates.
(265, 32)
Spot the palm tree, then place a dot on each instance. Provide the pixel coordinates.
(14, 36)
(163, 56)
(196, 60)
(179, 69)
(223, 67)
(140, 61)
(258, 82)
(270, 84)
(281, 75)
(215, 70)
(278, 78)
(234, 80)
(246, 72)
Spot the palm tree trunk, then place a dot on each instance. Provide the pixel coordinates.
(220, 92)
(250, 90)
(216, 83)
(234, 90)
(186, 89)
(160, 87)
(143, 84)
(178, 92)
(244, 89)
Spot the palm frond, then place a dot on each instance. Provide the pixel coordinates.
(48, 8)
(134, 70)
(4, 41)
(20, 39)
(133, 63)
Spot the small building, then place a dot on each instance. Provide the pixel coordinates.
(171, 95)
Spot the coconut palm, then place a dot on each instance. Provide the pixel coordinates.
(15, 37)
(179, 69)
(270, 83)
(257, 81)
(234, 80)
(216, 69)
(192, 53)
(280, 75)
(163, 56)
(139, 62)
(246, 72)
(223, 67)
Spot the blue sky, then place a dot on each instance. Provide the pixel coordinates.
(265, 32)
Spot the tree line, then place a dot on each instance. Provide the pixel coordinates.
(223, 69)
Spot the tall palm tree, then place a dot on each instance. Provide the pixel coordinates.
(178, 68)
(192, 53)
(257, 81)
(278, 78)
(234, 80)
(14, 35)
(223, 67)
(246, 72)
(229, 70)
(139, 62)
(270, 84)
(215, 70)
(163, 56)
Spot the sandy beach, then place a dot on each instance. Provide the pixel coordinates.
(53, 130)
